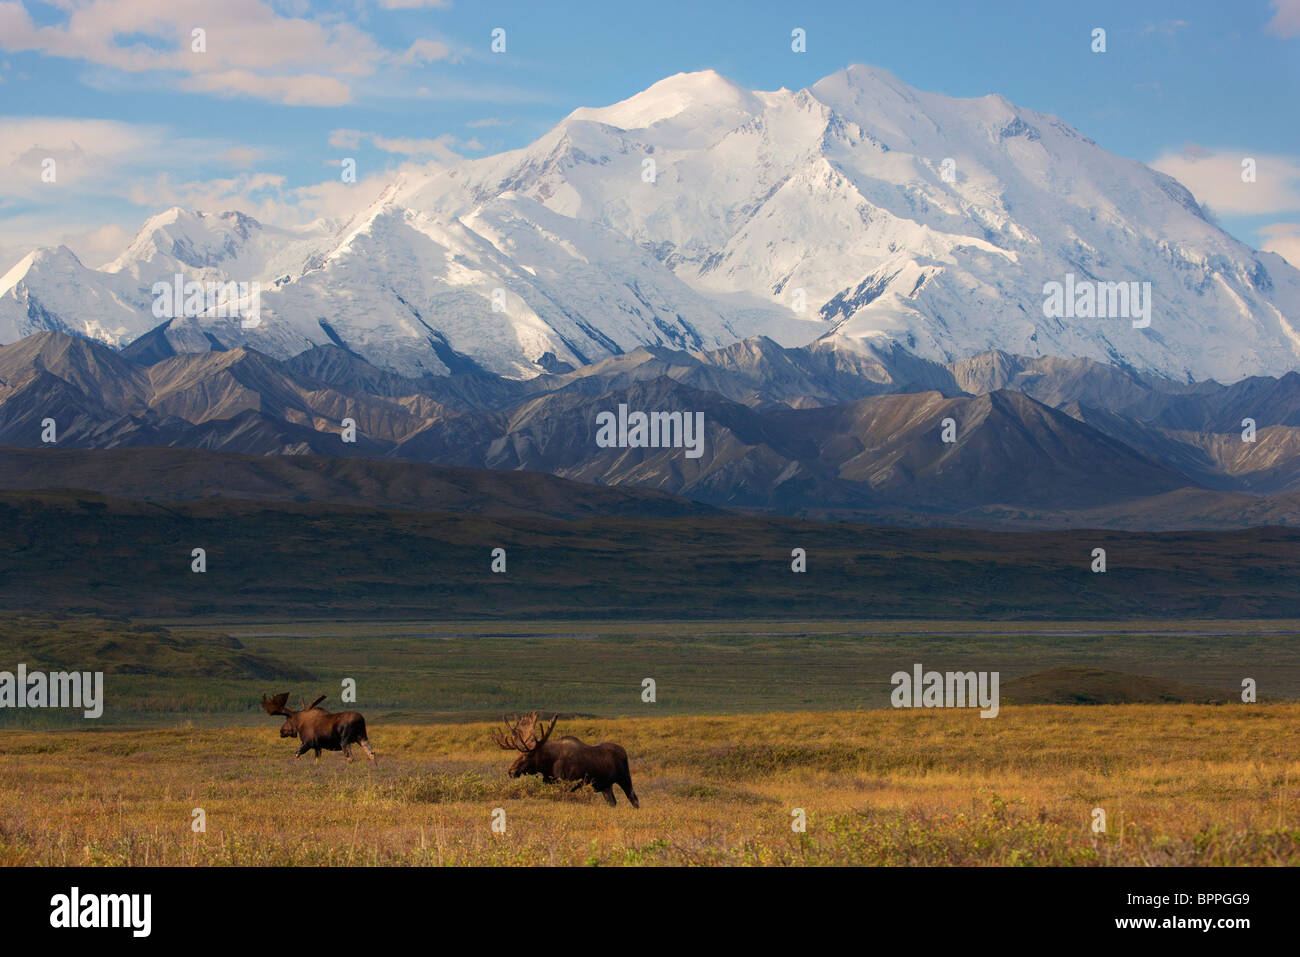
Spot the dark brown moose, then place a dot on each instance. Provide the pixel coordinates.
(567, 759)
(319, 729)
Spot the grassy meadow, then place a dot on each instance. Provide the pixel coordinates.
(1179, 785)
(752, 720)
(213, 673)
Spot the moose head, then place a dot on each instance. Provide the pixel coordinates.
(293, 719)
(525, 735)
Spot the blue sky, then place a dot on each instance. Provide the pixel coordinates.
(138, 121)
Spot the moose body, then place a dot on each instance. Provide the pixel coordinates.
(321, 730)
(567, 759)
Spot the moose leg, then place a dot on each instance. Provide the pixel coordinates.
(625, 782)
(347, 753)
(301, 751)
(370, 752)
(317, 750)
(608, 794)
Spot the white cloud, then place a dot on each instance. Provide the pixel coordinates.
(94, 246)
(1283, 239)
(414, 4)
(20, 136)
(88, 155)
(308, 89)
(97, 247)
(331, 199)
(441, 148)
(1214, 177)
(1286, 18)
(251, 50)
(345, 139)
(244, 192)
(241, 156)
(108, 182)
(424, 51)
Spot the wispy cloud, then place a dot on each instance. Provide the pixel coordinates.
(86, 154)
(96, 247)
(233, 48)
(1286, 18)
(440, 148)
(1283, 239)
(424, 51)
(1165, 28)
(241, 156)
(1215, 179)
(309, 89)
(415, 4)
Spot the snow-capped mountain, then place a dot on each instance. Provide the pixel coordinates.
(697, 213)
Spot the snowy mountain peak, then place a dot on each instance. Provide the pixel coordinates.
(689, 93)
(188, 241)
(52, 258)
(859, 212)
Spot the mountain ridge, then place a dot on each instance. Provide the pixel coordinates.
(1033, 441)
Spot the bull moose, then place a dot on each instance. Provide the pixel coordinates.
(567, 759)
(319, 729)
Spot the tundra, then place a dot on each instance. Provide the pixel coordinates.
(568, 759)
(319, 729)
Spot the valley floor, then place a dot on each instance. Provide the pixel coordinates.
(1178, 784)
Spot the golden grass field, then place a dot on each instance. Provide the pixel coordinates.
(1180, 784)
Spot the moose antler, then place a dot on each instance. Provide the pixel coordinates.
(521, 734)
(276, 705)
(547, 733)
(316, 702)
(511, 739)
